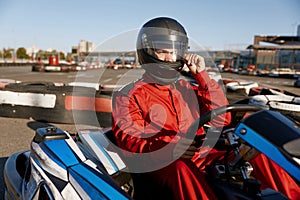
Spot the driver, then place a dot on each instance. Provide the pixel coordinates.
(158, 109)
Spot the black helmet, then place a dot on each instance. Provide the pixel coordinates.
(161, 33)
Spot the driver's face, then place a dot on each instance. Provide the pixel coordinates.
(167, 55)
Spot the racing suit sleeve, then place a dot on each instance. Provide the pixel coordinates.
(211, 96)
(128, 127)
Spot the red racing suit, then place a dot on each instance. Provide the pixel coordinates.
(148, 116)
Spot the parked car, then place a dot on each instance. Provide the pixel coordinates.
(119, 63)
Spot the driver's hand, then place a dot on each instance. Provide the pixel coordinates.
(195, 63)
(184, 149)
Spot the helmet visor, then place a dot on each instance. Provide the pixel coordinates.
(167, 48)
(160, 41)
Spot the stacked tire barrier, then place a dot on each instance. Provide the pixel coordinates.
(268, 98)
(44, 101)
(277, 100)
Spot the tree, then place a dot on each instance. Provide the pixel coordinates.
(21, 53)
(7, 53)
(42, 55)
(62, 56)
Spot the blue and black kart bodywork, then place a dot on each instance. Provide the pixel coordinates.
(83, 166)
(277, 136)
(58, 167)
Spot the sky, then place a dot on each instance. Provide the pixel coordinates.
(214, 24)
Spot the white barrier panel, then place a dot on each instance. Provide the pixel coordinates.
(28, 99)
(84, 84)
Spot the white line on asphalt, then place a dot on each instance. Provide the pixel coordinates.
(107, 80)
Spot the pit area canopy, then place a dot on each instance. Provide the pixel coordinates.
(279, 47)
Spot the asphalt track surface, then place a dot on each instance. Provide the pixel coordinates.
(17, 133)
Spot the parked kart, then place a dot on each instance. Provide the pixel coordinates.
(274, 99)
(235, 85)
(85, 165)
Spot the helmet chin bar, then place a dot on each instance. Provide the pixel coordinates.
(163, 72)
(179, 67)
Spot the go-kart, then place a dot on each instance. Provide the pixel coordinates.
(85, 165)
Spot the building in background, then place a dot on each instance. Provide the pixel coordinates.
(84, 48)
(279, 53)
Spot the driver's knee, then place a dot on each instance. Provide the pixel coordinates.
(181, 170)
(183, 179)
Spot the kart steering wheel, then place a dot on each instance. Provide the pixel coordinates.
(204, 119)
